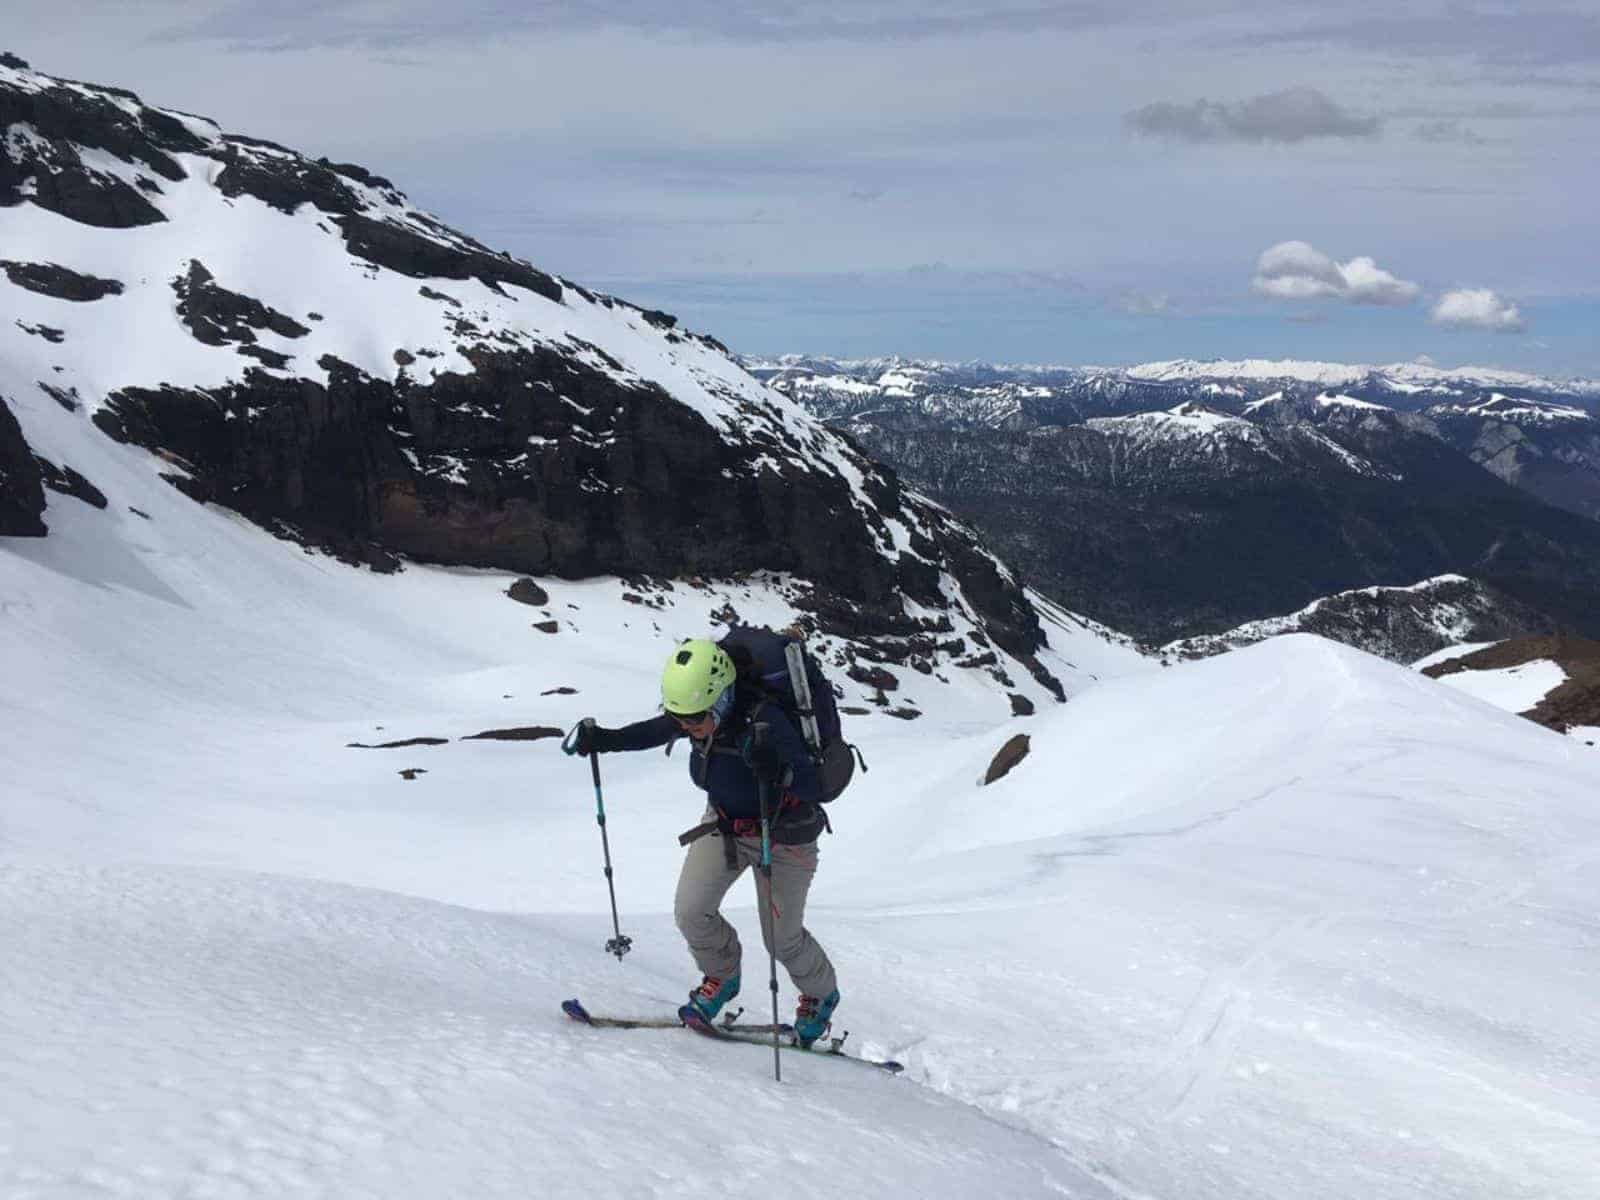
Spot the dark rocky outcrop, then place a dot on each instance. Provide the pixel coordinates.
(280, 178)
(875, 677)
(62, 283)
(219, 317)
(410, 253)
(21, 482)
(70, 483)
(60, 119)
(637, 485)
(48, 332)
(66, 397)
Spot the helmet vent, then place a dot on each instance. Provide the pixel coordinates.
(683, 658)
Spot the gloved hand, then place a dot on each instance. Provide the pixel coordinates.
(761, 756)
(581, 741)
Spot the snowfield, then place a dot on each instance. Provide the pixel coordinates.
(1515, 689)
(1289, 922)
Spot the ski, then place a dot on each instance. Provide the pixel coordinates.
(577, 1012)
(728, 1030)
(834, 1048)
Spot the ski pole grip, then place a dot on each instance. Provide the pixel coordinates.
(569, 744)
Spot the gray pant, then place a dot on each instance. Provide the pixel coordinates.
(705, 880)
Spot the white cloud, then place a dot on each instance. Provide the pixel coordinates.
(1299, 271)
(1477, 308)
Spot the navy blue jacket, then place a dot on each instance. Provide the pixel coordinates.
(723, 775)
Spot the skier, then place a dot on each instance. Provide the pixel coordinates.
(740, 739)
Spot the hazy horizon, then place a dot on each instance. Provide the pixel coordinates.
(1043, 182)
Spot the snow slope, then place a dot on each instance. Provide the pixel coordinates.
(1286, 922)
(1515, 689)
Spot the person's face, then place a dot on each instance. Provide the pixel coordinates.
(699, 725)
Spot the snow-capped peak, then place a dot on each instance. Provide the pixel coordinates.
(1338, 400)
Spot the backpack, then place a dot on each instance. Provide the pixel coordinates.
(782, 671)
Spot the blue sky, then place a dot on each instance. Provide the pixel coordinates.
(1042, 181)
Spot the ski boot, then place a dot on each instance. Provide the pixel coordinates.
(712, 994)
(812, 1017)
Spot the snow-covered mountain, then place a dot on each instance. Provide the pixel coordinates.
(292, 339)
(1036, 393)
(1183, 499)
(1406, 379)
(1545, 447)
(1537, 433)
(1402, 624)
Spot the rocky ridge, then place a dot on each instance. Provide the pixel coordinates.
(1402, 624)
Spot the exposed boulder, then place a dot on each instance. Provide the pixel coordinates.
(1007, 757)
(526, 591)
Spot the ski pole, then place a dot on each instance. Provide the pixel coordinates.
(765, 788)
(618, 945)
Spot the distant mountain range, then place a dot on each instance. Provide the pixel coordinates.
(1184, 498)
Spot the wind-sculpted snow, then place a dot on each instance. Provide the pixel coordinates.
(335, 1041)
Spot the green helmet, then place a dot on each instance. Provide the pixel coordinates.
(695, 675)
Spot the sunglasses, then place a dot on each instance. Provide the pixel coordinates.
(691, 718)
